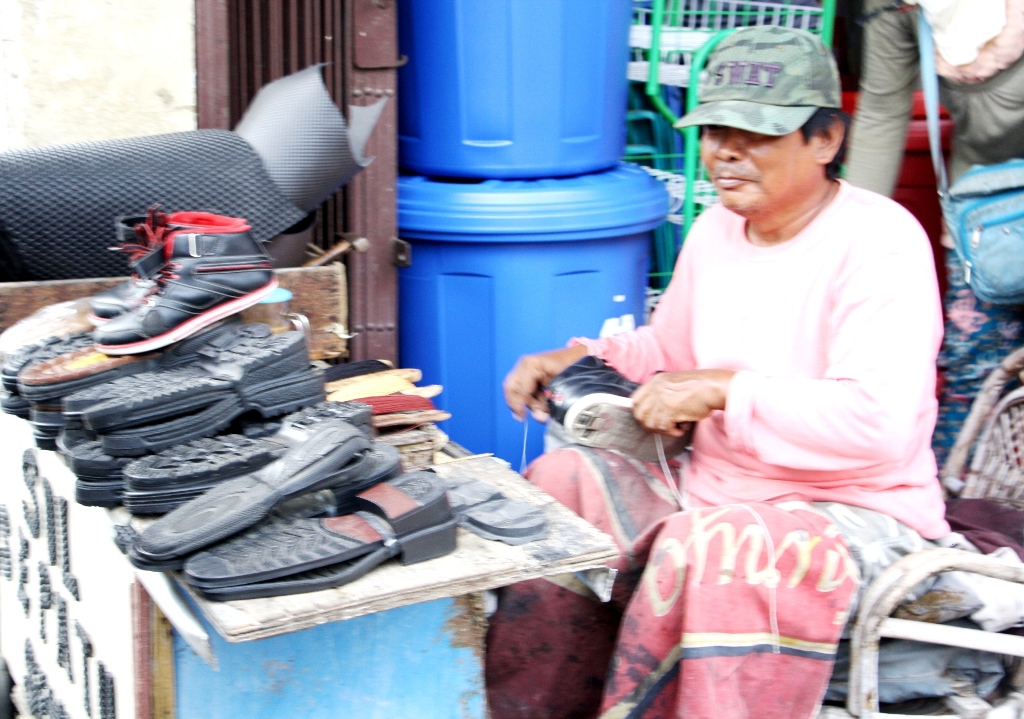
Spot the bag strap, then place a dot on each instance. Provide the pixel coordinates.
(930, 85)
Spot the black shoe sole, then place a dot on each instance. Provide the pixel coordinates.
(420, 546)
(89, 460)
(99, 493)
(160, 502)
(238, 504)
(271, 399)
(15, 405)
(56, 390)
(154, 396)
(200, 462)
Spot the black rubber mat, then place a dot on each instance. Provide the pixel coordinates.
(58, 204)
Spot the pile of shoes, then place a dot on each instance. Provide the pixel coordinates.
(43, 414)
(169, 361)
(193, 390)
(329, 509)
(161, 482)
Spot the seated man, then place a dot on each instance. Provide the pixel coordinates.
(800, 332)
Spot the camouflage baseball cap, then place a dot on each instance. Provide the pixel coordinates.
(766, 79)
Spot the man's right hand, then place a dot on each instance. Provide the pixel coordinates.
(525, 383)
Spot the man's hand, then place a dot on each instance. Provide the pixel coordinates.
(670, 398)
(523, 385)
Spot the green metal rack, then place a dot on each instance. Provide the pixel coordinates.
(671, 41)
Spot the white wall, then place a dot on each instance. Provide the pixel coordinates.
(78, 70)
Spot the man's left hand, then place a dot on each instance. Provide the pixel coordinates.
(671, 398)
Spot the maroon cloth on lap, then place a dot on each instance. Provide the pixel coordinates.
(987, 525)
(718, 613)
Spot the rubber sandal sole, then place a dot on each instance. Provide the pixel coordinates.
(486, 512)
(273, 398)
(103, 493)
(238, 504)
(421, 546)
(408, 514)
(15, 405)
(89, 460)
(154, 396)
(201, 461)
(193, 325)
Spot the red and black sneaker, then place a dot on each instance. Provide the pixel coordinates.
(212, 267)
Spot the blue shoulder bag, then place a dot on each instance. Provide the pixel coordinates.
(984, 209)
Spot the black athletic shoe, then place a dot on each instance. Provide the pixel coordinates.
(141, 238)
(210, 272)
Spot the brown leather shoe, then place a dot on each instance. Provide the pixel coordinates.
(88, 367)
(74, 371)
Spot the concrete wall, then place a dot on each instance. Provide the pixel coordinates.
(79, 70)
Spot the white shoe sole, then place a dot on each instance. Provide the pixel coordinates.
(605, 421)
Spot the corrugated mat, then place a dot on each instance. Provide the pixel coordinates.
(59, 204)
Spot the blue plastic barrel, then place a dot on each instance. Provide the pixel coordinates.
(512, 88)
(505, 268)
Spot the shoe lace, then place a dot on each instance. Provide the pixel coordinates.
(168, 272)
(149, 234)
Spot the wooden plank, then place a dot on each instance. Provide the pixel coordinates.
(477, 564)
(323, 298)
(319, 293)
(20, 299)
(163, 666)
(142, 645)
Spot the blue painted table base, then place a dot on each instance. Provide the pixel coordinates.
(421, 660)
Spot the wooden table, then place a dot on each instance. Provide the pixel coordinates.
(412, 645)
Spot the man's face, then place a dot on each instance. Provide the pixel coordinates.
(760, 175)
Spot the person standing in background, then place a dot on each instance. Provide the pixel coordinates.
(979, 49)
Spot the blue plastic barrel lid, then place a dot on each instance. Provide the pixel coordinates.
(620, 201)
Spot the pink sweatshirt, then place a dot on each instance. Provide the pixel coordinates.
(834, 336)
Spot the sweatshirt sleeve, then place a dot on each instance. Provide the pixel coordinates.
(885, 327)
(663, 345)
(889, 73)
